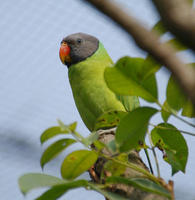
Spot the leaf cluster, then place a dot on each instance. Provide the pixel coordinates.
(80, 161)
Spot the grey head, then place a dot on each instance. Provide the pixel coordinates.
(81, 46)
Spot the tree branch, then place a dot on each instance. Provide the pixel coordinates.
(149, 41)
(179, 18)
(124, 190)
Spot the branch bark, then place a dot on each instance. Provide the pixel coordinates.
(149, 41)
(179, 18)
(123, 190)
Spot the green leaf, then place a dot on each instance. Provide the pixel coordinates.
(125, 78)
(58, 190)
(164, 114)
(77, 162)
(52, 132)
(174, 144)
(91, 138)
(31, 181)
(159, 28)
(149, 67)
(112, 196)
(112, 146)
(129, 102)
(99, 145)
(114, 168)
(176, 44)
(73, 126)
(177, 99)
(70, 128)
(54, 149)
(141, 183)
(132, 128)
(108, 195)
(188, 109)
(109, 119)
(175, 96)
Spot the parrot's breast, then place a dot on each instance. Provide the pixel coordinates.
(91, 94)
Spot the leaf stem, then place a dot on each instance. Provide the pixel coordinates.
(149, 162)
(175, 115)
(79, 138)
(155, 157)
(134, 167)
(183, 120)
(160, 127)
(156, 161)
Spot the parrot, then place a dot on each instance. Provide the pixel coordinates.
(87, 59)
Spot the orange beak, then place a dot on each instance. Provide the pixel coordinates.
(65, 53)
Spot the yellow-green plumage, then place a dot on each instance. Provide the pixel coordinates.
(91, 94)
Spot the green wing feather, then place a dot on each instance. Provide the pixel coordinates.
(129, 102)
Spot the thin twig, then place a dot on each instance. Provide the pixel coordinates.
(149, 41)
(134, 167)
(149, 162)
(174, 114)
(154, 154)
(172, 129)
(156, 161)
(183, 120)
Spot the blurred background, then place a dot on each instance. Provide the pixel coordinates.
(35, 91)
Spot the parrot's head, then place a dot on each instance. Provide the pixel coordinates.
(77, 47)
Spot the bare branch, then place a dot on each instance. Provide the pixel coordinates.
(150, 42)
(179, 18)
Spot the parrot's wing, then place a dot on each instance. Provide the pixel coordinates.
(129, 102)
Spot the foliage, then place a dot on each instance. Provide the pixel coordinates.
(172, 143)
(128, 77)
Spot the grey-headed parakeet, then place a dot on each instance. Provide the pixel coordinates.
(86, 59)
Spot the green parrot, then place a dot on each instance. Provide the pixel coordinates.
(86, 59)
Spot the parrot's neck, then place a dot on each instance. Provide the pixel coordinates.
(100, 55)
(95, 63)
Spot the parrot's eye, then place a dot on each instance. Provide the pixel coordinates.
(79, 41)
